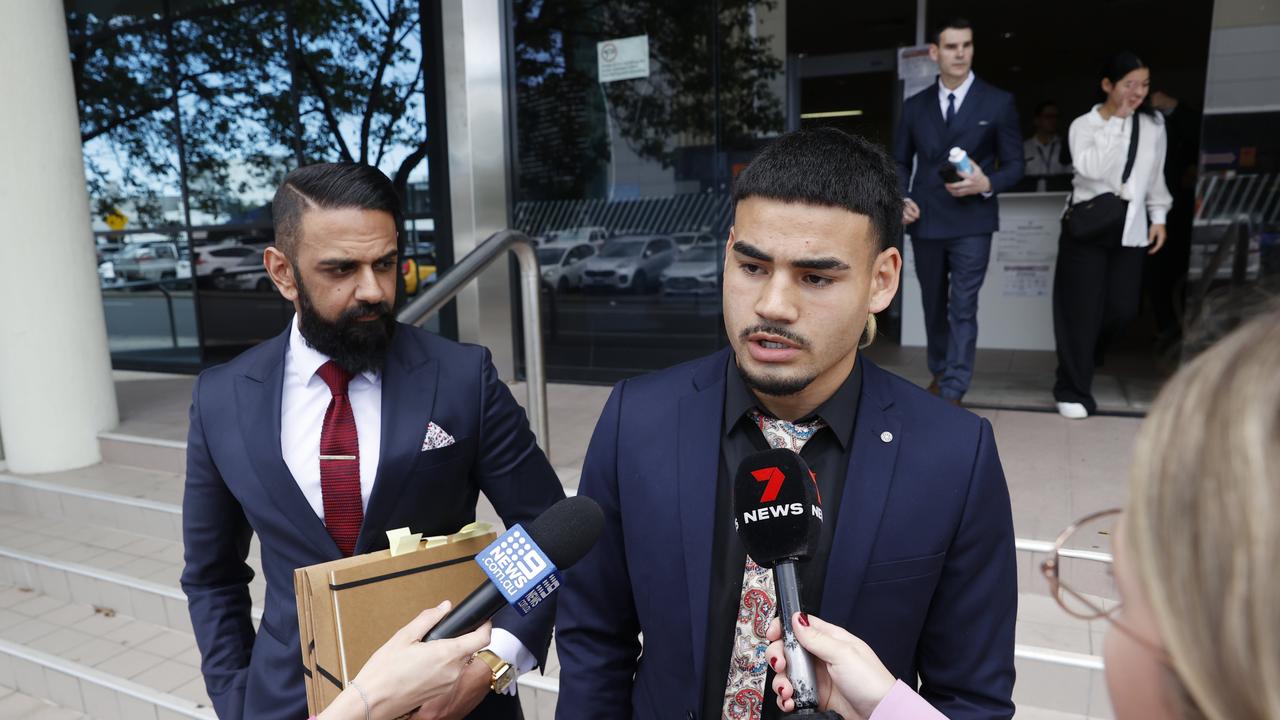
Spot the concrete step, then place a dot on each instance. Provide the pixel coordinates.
(89, 659)
(143, 452)
(15, 705)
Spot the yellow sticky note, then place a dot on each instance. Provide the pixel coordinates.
(402, 541)
(434, 541)
(471, 530)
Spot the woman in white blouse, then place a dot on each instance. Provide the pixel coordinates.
(1098, 280)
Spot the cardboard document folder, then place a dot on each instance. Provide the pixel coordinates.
(348, 608)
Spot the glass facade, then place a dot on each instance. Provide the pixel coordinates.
(631, 121)
(192, 111)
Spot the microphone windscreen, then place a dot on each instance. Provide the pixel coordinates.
(776, 507)
(567, 530)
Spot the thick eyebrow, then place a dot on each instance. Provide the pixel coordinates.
(822, 263)
(343, 263)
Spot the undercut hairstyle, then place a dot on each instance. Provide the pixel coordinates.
(827, 167)
(955, 23)
(328, 186)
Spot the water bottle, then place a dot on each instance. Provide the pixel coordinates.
(960, 159)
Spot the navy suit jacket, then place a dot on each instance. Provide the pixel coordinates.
(922, 562)
(238, 484)
(986, 126)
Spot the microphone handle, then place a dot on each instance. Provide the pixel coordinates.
(483, 603)
(799, 664)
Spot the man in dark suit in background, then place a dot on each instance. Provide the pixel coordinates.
(916, 554)
(952, 222)
(344, 426)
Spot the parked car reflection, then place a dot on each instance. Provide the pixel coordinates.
(631, 263)
(695, 272)
(562, 264)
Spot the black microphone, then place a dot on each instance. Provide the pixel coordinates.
(777, 511)
(524, 564)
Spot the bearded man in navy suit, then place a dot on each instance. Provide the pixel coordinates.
(344, 426)
(952, 220)
(665, 616)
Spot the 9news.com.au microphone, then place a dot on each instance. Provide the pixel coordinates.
(778, 514)
(524, 564)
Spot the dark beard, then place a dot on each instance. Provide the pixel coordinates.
(778, 387)
(355, 345)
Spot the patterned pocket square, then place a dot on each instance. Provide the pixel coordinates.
(436, 438)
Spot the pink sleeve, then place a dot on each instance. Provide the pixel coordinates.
(902, 703)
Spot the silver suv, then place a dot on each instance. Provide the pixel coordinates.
(632, 263)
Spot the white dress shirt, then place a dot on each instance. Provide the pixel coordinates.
(959, 92)
(303, 402)
(1099, 149)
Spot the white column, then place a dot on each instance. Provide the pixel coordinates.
(56, 392)
(475, 103)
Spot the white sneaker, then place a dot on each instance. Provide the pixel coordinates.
(1072, 411)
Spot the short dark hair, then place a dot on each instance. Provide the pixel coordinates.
(330, 186)
(831, 168)
(955, 23)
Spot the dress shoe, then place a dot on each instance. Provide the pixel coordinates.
(934, 389)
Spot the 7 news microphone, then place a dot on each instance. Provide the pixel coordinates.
(778, 513)
(523, 565)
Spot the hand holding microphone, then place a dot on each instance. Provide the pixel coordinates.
(778, 514)
(404, 673)
(851, 679)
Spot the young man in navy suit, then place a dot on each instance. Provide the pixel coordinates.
(344, 426)
(952, 222)
(665, 617)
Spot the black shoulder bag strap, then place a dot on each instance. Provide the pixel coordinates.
(1133, 149)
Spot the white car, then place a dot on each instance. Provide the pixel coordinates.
(217, 259)
(696, 271)
(595, 235)
(561, 264)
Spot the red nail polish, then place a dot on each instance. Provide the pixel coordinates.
(804, 620)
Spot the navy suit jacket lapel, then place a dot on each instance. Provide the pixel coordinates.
(258, 395)
(967, 113)
(697, 469)
(409, 381)
(866, 490)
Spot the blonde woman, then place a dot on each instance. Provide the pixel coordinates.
(1196, 632)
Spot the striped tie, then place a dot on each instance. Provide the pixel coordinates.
(340, 462)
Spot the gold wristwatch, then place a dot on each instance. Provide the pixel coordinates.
(503, 672)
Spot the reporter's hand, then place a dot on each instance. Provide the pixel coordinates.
(1156, 237)
(851, 679)
(467, 693)
(910, 211)
(975, 182)
(406, 673)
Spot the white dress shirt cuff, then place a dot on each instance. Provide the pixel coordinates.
(508, 647)
(1157, 215)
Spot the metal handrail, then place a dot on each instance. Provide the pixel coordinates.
(469, 268)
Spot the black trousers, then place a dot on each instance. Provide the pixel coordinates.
(1096, 290)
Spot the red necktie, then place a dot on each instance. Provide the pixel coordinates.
(340, 462)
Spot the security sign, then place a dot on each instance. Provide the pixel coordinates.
(623, 58)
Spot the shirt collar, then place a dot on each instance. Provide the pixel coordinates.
(960, 92)
(838, 411)
(305, 360)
